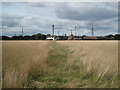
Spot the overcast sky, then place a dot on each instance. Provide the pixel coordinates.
(39, 17)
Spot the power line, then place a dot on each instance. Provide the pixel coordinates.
(71, 31)
(58, 32)
(92, 31)
(75, 31)
(22, 31)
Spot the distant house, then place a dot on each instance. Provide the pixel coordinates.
(86, 37)
(77, 38)
(71, 37)
(51, 38)
(94, 38)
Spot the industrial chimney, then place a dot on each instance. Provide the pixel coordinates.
(53, 30)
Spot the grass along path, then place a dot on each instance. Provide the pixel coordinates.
(59, 74)
(53, 75)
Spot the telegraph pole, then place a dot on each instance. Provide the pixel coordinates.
(75, 31)
(22, 31)
(92, 31)
(71, 32)
(58, 32)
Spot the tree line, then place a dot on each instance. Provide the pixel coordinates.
(40, 36)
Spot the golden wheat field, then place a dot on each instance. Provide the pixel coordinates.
(60, 64)
(102, 56)
(20, 59)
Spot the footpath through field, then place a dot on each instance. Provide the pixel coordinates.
(56, 73)
(59, 74)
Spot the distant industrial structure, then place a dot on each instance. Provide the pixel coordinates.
(52, 37)
(71, 37)
(75, 36)
(92, 37)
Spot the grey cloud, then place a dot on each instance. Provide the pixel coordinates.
(84, 12)
(34, 4)
(10, 21)
(68, 15)
(7, 3)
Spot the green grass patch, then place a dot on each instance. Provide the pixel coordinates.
(59, 74)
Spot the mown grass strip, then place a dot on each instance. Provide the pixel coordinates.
(53, 76)
(59, 74)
